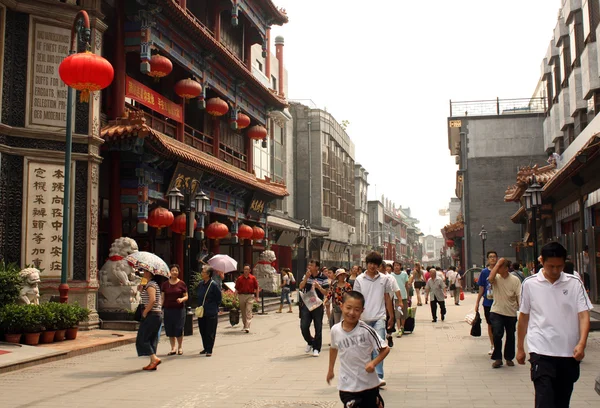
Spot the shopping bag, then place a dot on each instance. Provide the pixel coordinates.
(470, 318)
(476, 327)
(311, 300)
(462, 295)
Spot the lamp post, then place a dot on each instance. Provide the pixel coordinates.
(86, 72)
(533, 200)
(349, 260)
(200, 205)
(304, 232)
(483, 235)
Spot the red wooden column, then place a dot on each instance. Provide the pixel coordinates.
(249, 155)
(268, 59)
(217, 26)
(279, 54)
(216, 136)
(181, 126)
(114, 210)
(118, 88)
(247, 49)
(183, 4)
(248, 253)
(178, 241)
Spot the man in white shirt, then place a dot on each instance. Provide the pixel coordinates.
(555, 317)
(454, 282)
(376, 288)
(437, 288)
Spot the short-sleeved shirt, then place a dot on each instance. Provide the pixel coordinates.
(436, 289)
(173, 292)
(354, 352)
(336, 291)
(246, 286)
(401, 280)
(285, 279)
(553, 309)
(486, 285)
(156, 307)
(374, 290)
(394, 285)
(323, 282)
(507, 295)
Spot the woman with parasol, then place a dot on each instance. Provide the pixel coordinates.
(155, 272)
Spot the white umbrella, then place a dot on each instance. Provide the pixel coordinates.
(223, 263)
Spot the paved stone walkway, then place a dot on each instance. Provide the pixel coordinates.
(439, 365)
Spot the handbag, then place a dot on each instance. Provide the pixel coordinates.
(476, 327)
(452, 286)
(200, 309)
(138, 313)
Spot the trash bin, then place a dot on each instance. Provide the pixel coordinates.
(188, 329)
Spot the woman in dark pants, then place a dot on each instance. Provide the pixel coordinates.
(175, 294)
(209, 296)
(147, 336)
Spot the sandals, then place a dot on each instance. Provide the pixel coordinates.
(180, 352)
(279, 311)
(290, 311)
(171, 353)
(152, 366)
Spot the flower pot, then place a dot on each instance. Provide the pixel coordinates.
(234, 317)
(32, 339)
(60, 335)
(12, 338)
(71, 333)
(47, 336)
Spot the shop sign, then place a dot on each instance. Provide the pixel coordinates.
(153, 100)
(186, 179)
(257, 206)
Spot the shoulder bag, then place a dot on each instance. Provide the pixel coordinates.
(200, 309)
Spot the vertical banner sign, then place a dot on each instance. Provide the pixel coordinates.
(48, 93)
(44, 206)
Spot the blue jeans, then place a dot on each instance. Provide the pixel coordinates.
(285, 295)
(379, 326)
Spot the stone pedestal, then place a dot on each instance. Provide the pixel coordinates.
(269, 284)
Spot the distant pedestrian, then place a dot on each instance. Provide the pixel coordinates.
(246, 288)
(313, 280)
(174, 295)
(455, 284)
(401, 306)
(437, 288)
(555, 317)
(516, 270)
(507, 296)
(354, 272)
(418, 279)
(356, 343)
(330, 273)
(209, 296)
(146, 341)
(394, 294)
(486, 292)
(336, 292)
(287, 279)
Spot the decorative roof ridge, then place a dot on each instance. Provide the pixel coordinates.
(525, 176)
(279, 12)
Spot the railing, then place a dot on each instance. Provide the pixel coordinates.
(498, 107)
(228, 155)
(169, 129)
(198, 140)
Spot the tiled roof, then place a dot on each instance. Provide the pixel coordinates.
(516, 217)
(525, 177)
(278, 13)
(168, 146)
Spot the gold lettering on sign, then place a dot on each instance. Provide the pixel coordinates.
(455, 123)
(257, 205)
(48, 97)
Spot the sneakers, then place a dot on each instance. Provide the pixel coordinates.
(510, 363)
(399, 333)
(390, 341)
(382, 382)
(491, 351)
(308, 348)
(498, 364)
(315, 353)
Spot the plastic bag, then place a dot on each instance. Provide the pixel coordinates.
(462, 295)
(470, 318)
(476, 327)
(311, 300)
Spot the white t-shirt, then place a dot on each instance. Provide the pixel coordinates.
(354, 352)
(553, 310)
(374, 290)
(394, 284)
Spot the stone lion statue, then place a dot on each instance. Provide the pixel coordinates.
(118, 281)
(30, 293)
(265, 273)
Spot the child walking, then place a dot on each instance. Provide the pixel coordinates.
(354, 341)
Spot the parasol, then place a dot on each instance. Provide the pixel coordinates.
(223, 263)
(147, 261)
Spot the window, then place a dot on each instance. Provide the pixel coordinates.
(278, 152)
(259, 65)
(565, 62)
(274, 82)
(577, 39)
(591, 17)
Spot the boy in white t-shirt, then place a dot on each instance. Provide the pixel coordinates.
(354, 340)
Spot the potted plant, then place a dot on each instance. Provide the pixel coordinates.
(231, 302)
(79, 314)
(60, 311)
(31, 324)
(11, 317)
(49, 321)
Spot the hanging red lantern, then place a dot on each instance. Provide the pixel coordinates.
(216, 107)
(160, 67)
(243, 121)
(449, 243)
(216, 230)
(180, 223)
(245, 232)
(188, 89)
(86, 72)
(160, 218)
(257, 132)
(258, 233)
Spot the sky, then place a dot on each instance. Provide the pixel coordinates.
(390, 67)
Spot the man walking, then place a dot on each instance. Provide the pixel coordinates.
(503, 314)
(246, 286)
(313, 279)
(376, 288)
(436, 286)
(555, 317)
(454, 281)
(401, 306)
(485, 292)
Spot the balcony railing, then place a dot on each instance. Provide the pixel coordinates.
(498, 107)
(231, 156)
(198, 140)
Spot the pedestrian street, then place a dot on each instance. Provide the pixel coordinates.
(439, 365)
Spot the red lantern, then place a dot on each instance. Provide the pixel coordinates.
(243, 121)
(180, 223)
(160, 66)
(245, 232)
(188, 89)
(258, 233)
(257, 132)
(86, 72)
(160, 218)
(449, 243)
(216, 230)
(216, 107)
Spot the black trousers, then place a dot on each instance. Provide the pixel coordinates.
(306, 318)
(208, 332)
(553, 379)
(363, 399)
(434, 304)
(503, 324)
(146, 341)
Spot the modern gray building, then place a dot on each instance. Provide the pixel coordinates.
(360, 241)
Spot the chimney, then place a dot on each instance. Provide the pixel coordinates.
(279, 53)
(268, 59)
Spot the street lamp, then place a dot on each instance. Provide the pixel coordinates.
(349, 260)
(86, 72)
(483, 235)
(533, 200)
(304, 232)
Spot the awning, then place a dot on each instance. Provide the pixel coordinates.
(283, 223)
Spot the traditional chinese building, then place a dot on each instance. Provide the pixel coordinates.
(186, 111)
